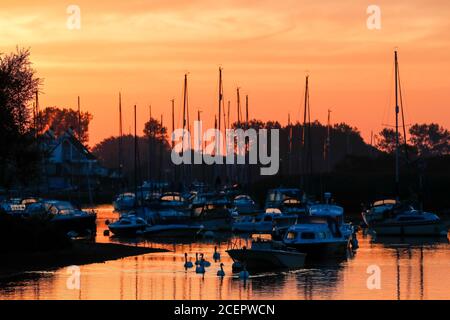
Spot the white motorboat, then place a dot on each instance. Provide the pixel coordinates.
(127, 225)
(319, 237)
(392, 218)
(331, 210)
(263, 223)
(244, 205)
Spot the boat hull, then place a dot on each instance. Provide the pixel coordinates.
(268, 259)
(126, 230)
(173, 232)
(322, 250)
(420, 229)
(80, 224)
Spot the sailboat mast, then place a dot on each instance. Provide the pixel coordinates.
(135, 157)
(246, 110)
(173, 119)
(397, 176)
(220, 97)
(79, 119)
(120, 134)
(238, 97)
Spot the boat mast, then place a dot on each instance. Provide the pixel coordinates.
(397, 176)
(120, 135)
(79, 119)
(328, 143)
(306, 156)
(150, 144)
(174, 177)
(135, 160)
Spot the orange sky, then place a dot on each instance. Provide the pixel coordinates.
(143, 48)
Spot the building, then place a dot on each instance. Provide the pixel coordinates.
(69, 165)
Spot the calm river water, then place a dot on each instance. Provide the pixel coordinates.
(409, 269)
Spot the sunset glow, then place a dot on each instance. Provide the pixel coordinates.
(143, 49)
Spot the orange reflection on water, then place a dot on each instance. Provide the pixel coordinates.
(411, 269)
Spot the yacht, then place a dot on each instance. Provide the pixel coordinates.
(319, 237)
(263, 223)
(276, 197)
(127, 225)
(244, 205)
(393, 217)
(124, 201)
(214, 212)
(390, 218)
(65, 216)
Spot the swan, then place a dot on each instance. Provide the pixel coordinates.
(197, 262)
(187, 264)
(200, 269)
(204, 262)
(220, 272)
(216, 255)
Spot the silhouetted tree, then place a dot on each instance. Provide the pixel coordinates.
(61, 119)
(430, 139)
(154, 129)
(386, 140)
(19, 153)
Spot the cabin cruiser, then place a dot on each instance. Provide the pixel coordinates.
(266, 254)
(263, 223)
(276, 197)
(334, 211)
(390, 217)
(214, 213)
(244, 205)
(64, 215)
(319, 237)
(17, 206)
(127, 225)
(169, 208)
(124, 201)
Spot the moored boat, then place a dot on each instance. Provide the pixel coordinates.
(266, 254)
(319, 238)
(127, 225)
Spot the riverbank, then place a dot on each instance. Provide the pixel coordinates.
(16, 264)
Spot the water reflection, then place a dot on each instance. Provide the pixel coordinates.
(410, 269)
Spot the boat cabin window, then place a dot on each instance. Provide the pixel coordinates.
(291, 235)
(308, 235)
